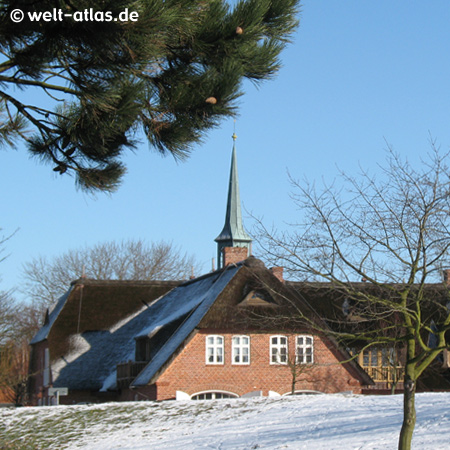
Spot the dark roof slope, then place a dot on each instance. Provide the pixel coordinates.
(343, 312)
(199, 297)
(96, 305)
(51, 316)
(93, 357)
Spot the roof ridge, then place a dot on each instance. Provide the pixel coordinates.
(94, 282)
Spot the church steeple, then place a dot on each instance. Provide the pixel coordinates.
(233, 233)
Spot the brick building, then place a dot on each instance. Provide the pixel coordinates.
(233, 332)
(216, 335)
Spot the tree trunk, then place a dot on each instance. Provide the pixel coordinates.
(294, 381)
(409, 414)
(395, 380)
(393, 387)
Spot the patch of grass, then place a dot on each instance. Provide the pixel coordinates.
(60, 427)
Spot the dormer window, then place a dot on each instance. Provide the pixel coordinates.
(346, 307)
(143, 349)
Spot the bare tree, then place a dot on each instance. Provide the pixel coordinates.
(16, 329)
(18, 324)
(14, 361)
(302, 372)
(8, 312)
(391, 230)
(8, 307)
(3, 240)
(46, 280)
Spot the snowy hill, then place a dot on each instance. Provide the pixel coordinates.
(306, 422)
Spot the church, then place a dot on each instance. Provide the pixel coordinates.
(238, 331)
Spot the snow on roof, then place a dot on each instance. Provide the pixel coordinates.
(53, 313)
(96, 368)
(201, 296)
(78, 346)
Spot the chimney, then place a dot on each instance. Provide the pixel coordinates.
(233, 255)
(446, 274)
(278, 272)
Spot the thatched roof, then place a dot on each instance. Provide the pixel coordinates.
(194, 299)
(85, 315)
(94, 326)
(348, 311)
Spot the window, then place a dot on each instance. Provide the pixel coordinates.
(370, 357)
(278, 350)
(305, 350)
(241, 350)
(46, 373)
(214, 349)
(382, 364)
(388, 357)
(142, 349)
(213, 395)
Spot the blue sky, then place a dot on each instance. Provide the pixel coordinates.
(359, 74)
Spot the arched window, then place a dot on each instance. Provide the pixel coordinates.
(214, 349)
(240, 350)
(213, 395)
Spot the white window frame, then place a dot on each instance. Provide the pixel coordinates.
(240, 351)
(301, 342)
(213, 395)
(214, 349)
(278, 347)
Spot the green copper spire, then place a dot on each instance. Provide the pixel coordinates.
(233, 233)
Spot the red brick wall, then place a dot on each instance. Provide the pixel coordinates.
(446, 274)
(233, 255)
(190, 373)
(278, 272)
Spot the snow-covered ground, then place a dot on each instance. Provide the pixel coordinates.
(306, 422)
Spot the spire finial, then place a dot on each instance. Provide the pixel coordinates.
(234, 132)
(233, 233)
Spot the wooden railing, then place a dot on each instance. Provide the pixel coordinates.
(385, 374)
(128, 371)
